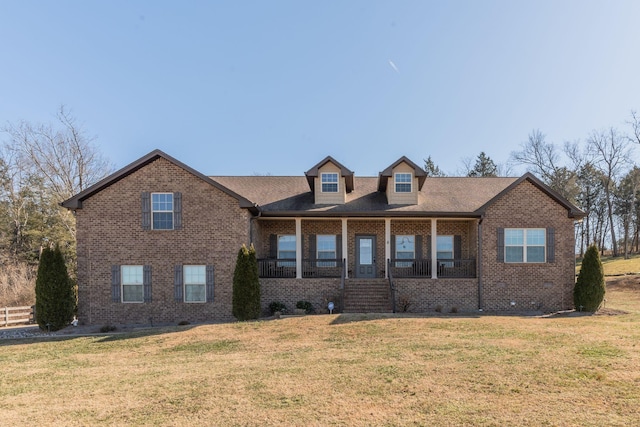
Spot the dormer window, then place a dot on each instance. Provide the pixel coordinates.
(403, 182)
(329, 182)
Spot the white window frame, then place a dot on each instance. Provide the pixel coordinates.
(154, 210)
(527, 235)
(198, 279)
(129, 280)
(322, 250)
(329, 182)
(291, 238)
(402, 183)
(405, 239)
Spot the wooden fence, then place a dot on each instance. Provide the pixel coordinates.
(15, 315)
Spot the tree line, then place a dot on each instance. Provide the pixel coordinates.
(598, 175)
(41, 165)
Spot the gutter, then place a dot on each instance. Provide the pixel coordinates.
(480, 287)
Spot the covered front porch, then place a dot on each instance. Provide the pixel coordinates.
(345, 248)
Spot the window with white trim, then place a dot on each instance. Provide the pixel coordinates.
(403, 182)
(326, 249)
(525, 245)
(131, 279)
(405, 249)
(287, 250)
(329, 182)
(162, 211)
(195, 281)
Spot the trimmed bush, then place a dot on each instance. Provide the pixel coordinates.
(246, 285)
(590, 288)
(277, 306)
(55, 291)
(306, 306)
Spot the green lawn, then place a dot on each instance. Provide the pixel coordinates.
(339, 370)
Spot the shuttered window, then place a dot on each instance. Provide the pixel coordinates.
(525, 245)
(131, 283)
(161, 211)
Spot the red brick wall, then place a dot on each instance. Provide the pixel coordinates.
(546, 286)
(110, 233)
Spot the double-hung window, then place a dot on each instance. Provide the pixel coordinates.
(132, 283)
(405, 249)
(444, 250)
(326, 249)
(195, 281)
(329, 182)
(162, 211)
(403, 182)
(287, 250)
(526, 245)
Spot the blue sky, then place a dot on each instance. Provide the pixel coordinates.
(246, 87)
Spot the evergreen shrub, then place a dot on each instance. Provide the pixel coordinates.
(590, 288)
(246, 285)
(55, 291)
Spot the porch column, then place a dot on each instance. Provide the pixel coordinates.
(298, 248)
(434, 248)
(387, 245)
(345, 247)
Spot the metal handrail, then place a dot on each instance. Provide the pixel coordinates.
(392, 288)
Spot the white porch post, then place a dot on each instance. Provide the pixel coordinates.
(298, 248)
(345, 247)
(387, 245)
(434, 248)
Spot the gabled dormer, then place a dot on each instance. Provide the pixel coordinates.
(330, 182)
(401, 182)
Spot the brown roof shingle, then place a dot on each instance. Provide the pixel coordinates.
(290, 195)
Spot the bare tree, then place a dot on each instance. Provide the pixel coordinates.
(543, 159)
(610, 153)
(63, 155)
(635, 127)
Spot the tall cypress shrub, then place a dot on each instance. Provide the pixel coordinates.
(246, 285)
(55, 293)
(590, 288)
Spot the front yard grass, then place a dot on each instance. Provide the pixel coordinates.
(351, 370)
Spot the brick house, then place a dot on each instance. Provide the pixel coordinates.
(157, 242)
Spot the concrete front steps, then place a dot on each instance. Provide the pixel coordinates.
(367, 296)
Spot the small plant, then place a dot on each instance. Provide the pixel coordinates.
(306, 306)
(277, 306)
(404, 303)
(438, 308)
(184, 323)
(454, 309)
(107, 328)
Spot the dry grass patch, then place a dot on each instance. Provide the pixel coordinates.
(337, 370)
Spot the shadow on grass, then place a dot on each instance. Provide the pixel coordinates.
(34, 335)
(367, 317)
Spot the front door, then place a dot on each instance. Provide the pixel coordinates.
(365, 256)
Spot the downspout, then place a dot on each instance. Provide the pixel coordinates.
(251, 222)
(479, 267)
